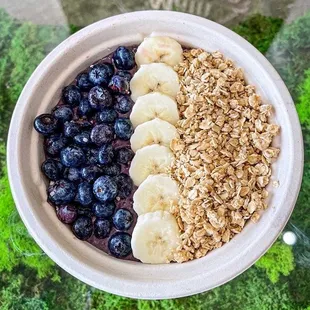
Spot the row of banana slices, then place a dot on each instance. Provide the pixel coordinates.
(154, 87)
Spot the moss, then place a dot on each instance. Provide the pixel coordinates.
(11, 297)
(21, 290)
(259, 30)
(299, 285)
(278, 260)
(289, 53)
(251, 291)
(303, 102)
(16, 246)
(22, 47)
(300, 216)
(74, 28)
(29, 46)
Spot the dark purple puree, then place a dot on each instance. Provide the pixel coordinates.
(127, 202)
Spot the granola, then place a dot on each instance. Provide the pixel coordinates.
(223, 156)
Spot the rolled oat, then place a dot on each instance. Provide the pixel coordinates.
(223, 155)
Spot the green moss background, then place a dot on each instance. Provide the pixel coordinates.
(29, 280)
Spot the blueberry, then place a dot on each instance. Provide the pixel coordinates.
(82, 139)
(54, 144)
(100, 98)
(90, 173)
(102, 134)
(83, 82)
(72, 174)
(123, 104)
(85, 211)
(60, 166)
(61, 192)
(45, 124)
(124, 58)
(91, 156)
(71, 95)
(124, 155)
(66, 213)
(122, 219)
(105, 189)
(111, 169)
(84, 108)
(71, 129)
(103, 210)
(123, 128)
(84, 124)
(63, 114)
(119, 84)
(102, 228)
(52, 169)
(85, 194)
(124, 185)
(72, 156)
(106, 154)
(120, 244)
(125, 74)
(106, 116)
(83, 227)
(100, 74)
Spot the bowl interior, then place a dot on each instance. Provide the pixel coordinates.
(25, 155)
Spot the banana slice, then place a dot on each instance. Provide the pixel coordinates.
(159, 49)
(155, 237)
(154, 105)
(151, 159)
(155, 131)
(157, 192)
(154, 77)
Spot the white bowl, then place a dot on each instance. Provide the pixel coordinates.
(25, 154)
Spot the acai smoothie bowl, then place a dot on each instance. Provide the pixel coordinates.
(155, 155)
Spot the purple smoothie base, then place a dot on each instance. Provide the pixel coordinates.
(102, 244)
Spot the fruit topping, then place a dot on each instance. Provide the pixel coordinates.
(101, 74)
(102, 134)
(52, 169)
(124, 58)
(123, 128)
(120, 244)
(83, 227)
(67, 213)
(106, 115)
(105, 189)
(84, 83)
(72, 156)
(122, 219)
(155, 237)
(123, 104)
(71, 95)
(100, 98)
(54, 144)
(102, 228)
(63, 114)
(103, 210)
(46, 124)
(159, 49)
(155, 77)
(106, 154)
(119, 84)
(61, 192)
(124, 155)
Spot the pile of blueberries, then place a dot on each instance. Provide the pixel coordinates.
(83, 164)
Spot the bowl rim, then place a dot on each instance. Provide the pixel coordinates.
(19, 193)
